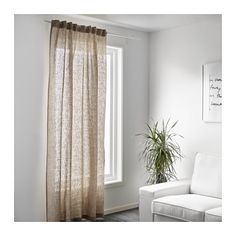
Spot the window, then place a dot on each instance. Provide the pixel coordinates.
(113, 119)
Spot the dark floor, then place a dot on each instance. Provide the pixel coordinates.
(122, 216)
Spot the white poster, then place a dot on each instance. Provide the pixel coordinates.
(212, 92)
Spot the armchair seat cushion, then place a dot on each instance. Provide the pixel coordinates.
(214, 214)
(187, 207)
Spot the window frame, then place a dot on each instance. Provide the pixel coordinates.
(116, 116)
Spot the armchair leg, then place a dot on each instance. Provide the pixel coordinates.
(153, 217)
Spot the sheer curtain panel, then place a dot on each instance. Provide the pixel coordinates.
(76, 119)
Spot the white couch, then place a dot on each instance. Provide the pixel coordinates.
(198, 199)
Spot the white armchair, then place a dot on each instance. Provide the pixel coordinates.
(148, 193)
(198, 199)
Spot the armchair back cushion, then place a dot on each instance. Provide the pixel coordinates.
(206, 179)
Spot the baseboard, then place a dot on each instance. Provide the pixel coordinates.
(120, 208)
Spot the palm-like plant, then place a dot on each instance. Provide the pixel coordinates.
(160, 152)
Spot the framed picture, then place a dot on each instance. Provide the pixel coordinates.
(212, 92)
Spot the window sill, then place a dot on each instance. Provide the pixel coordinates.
(113, 184)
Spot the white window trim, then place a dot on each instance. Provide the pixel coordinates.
(116, 162)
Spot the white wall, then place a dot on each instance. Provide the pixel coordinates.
(176, 57)
(31, 76)
(31, 53)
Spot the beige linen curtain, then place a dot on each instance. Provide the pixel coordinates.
(76, 107)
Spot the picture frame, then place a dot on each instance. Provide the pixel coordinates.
(212, 92)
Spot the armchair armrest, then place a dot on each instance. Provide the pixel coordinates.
(148, 193)
(168, 188)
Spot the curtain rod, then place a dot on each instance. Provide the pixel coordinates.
(111, 34)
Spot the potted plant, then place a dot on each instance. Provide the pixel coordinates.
(160, 152)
